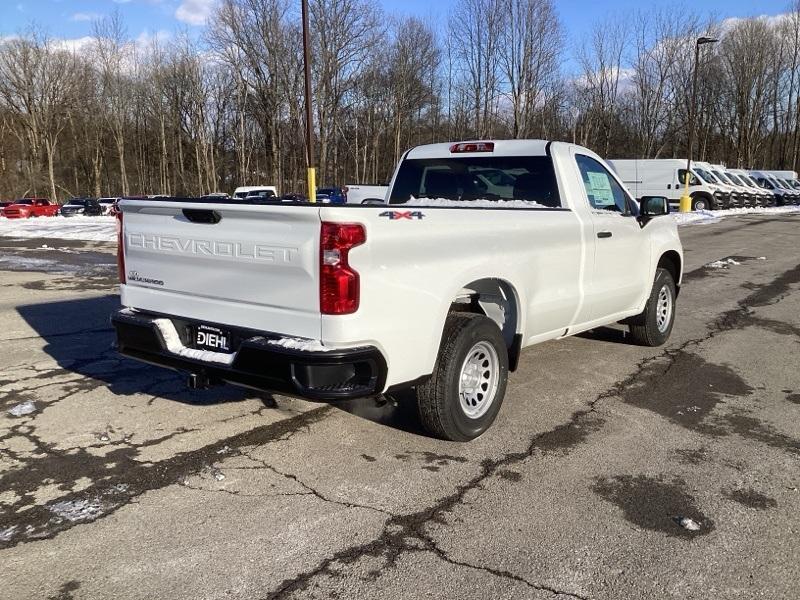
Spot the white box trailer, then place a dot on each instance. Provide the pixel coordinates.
(666, 177)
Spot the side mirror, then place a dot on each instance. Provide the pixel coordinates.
(372, 201)
(654, 206)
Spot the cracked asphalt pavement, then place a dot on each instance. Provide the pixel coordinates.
(612, 471)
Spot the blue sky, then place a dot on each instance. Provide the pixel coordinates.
(72, 18)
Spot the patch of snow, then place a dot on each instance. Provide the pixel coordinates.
(90, 229)
(119, 488)
(22, 409)
(447, 203)
(698, 217)
(27, 263)
(303, 344)
(219, 476)
(689, 524)
(762, 258)
(175, 345)
(705, 217)
(7, 533)
(723, 263)
(77, 510)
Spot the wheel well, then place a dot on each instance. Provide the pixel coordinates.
(671, 261)
(496, 299)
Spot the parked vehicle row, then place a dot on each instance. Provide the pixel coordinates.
(711, 186)
(26, 208)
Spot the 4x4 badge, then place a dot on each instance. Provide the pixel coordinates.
(397, 215)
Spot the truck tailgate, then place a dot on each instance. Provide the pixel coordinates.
(253, 266)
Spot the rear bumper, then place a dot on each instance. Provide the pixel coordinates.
(315, 375)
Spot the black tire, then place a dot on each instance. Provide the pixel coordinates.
(701, 203)
(438, 399)
(644, 327)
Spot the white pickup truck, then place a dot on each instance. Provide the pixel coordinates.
(482, 249)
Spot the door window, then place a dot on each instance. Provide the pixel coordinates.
(602, 189)
(682, 178)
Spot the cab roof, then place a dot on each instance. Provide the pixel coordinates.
(501, 148)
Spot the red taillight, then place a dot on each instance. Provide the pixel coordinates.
(120, 249)
(472, 147)
(339, 287)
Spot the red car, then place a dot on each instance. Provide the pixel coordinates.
(31, 207)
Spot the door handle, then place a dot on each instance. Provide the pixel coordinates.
(604, 234)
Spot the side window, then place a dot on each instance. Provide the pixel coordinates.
(682, 178)
(602, 189)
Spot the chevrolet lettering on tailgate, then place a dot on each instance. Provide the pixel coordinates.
(225, 249)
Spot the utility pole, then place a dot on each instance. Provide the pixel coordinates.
(312, 172)
(686, 199)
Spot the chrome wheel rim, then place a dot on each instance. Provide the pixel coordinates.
(700, 205)
(663, 309)
(478, 380)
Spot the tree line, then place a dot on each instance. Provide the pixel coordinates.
(194, 115)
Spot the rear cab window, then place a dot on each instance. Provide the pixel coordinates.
(497, 179)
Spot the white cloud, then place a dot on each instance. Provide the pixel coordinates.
(770, 20)
(85, 16)
(76, 45)
(146, 39)
(195, 12)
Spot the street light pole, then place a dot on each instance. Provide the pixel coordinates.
(686, 199)
(312, 173)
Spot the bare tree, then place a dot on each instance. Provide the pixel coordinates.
(532, 40)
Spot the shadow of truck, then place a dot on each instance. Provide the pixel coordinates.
(79, 337)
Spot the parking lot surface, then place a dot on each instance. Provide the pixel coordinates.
(613, 471)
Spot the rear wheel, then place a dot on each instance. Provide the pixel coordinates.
(654, 325)
(464, 394)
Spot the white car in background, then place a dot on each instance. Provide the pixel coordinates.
(262, 191)
(107, 204)
(356, 193)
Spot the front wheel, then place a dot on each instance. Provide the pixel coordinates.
(654, 325)
(464, 394)
(700, 203)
